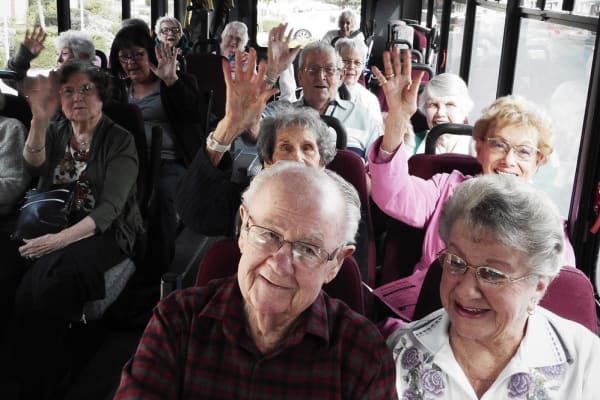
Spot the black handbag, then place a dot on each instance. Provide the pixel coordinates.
(44, 212)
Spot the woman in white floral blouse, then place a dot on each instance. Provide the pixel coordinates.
(491, 340)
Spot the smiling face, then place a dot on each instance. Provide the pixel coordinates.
(319, 87)
(442, 110)
(273, 284)
(353, 65)
(346, 26)
(295, 143)
(494, 162)
(79, 99)
(135, 63)
(484, 312)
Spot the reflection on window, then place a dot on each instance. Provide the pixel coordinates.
(310, 19)
(485, 58)
(455, 37)
(553, 70)
(587, 7)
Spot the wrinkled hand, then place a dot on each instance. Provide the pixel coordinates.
(246, 94)
(279, 56)
(34, 40)
(400, 90)
(40, 246)
(42, 94)
(166, 69)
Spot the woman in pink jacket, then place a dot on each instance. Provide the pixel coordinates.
(511, 137)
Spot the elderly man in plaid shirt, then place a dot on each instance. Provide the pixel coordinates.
(270, 332)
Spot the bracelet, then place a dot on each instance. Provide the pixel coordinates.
(214, 145)
(387, 153)
(269, 80)
(34, 149)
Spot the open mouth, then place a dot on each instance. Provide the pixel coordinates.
(470, 311)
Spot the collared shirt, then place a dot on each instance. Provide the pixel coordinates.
(196, 346)
(362, 128)
(557, 359)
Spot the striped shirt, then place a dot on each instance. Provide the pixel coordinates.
(196, 347)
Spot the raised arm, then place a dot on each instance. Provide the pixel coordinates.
(246, 99)
(279, 56)
(43, 98)
(401, 96)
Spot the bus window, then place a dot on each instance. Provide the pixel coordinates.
(14, 20)
(553, 70)
(455, 37)
(485, 61)
(97, 18)
(310, 19)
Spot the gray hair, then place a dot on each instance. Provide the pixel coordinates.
(319, 47)
(349, 14)
(79, 42)
(239, 27)
(444, 85)
(513, 212)
(325, 182)
(356, 45)
(167, 19)
(286, 115)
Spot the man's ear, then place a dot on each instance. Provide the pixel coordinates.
(337, 262)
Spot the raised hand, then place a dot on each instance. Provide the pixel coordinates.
(279, 56)
(166, 69)
(42, 95)
(246, 94)
(400, 93)
(34, 40)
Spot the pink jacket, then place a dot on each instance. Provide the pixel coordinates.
(418, 202)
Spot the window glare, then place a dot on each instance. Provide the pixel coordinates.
(455, 37)
(564, 54)
(310, 19)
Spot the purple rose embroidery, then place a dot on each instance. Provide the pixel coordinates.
(432, 381)
(409, 394)
(410, 358)
(520, 384)
(553, 371)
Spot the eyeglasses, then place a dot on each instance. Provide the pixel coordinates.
(524, 152)
(85, 91)
(329, 70)
(136, 56)
(305, 254)
(353, 63)
(455, 265)
(174, 30)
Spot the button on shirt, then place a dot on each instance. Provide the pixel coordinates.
(196, 347)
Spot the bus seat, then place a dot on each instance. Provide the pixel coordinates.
(402, 244)
(351, 167)
(222, 257)
(341, 138)
(441, 129)
(101, 60)
(570, 295)
(209, 73)
(18, 108)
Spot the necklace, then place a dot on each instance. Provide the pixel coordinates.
(81, 144)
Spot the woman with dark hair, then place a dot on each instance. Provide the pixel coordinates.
(98, 159)
(168, 99)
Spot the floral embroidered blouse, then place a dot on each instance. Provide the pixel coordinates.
(557, 359)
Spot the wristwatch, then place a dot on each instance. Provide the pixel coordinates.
(211, 143)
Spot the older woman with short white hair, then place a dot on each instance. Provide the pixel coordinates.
(347, 28)
(353, 54)
(503, 246)
(446, 99)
